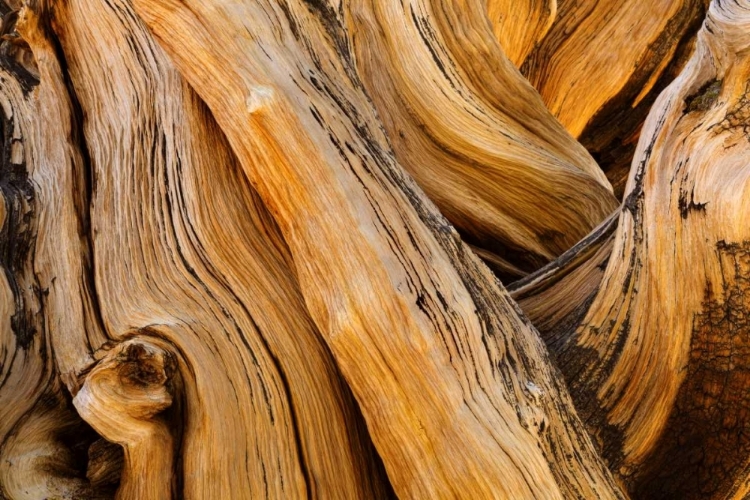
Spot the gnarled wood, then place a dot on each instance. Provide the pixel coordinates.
(244, 297)
(556, 297)
(173, 255)
(49, 333)
(123, 397)
(456, 389)
(659, 365)
(473, 133)
(215, 280)
(601, 64)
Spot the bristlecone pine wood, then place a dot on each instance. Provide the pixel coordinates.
(372, 249)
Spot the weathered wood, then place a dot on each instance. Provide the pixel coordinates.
(659, 365)
(124, 397)
(260, 385)
(601, 64)
(472, 132)
(520, 25)
(45, 266)
(556, 297)
(183, 251)
(223, 274)
(456, 388)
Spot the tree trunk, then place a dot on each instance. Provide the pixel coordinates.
(258, 249)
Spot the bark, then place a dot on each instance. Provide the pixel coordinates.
(245, 249)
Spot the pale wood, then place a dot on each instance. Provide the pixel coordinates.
(213, 283)
(260, 384)
(122, 397)
(52, 295)
(278, 292)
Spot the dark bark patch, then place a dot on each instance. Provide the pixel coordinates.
(705, 446)
(18, 233)
(738, 116)
(16, 56)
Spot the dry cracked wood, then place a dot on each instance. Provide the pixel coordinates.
(659, 366)
(583, 36)
(456, 388)
(520, 25)
(193, 294)
(45, 262)
(24, 364)
(472, 132)
(601, 64)
(183, 251)
(259, 383)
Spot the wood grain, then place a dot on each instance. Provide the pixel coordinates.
(600, 65)
(521, 25)
(455, 386)
(658, 365)
(49, 334)
(473, 133)
(182, 251)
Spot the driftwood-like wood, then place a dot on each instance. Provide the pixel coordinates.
(294, 424)
(578, 39)
(599, 65)
(42, 436)
(556, 297)
(472, 132)
(259, 384)
(452, 382)
(260, 249)
(659, 365)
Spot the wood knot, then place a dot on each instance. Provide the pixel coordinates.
(132, 382)
(144, 366)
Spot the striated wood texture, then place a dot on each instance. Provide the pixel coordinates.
(186, 256)
(599, 65)
(260, 249)
(259, 384)
(659, 365)
(45, 261)
(556, 297)
(455, 387)
(473, 133)
(520, 25)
